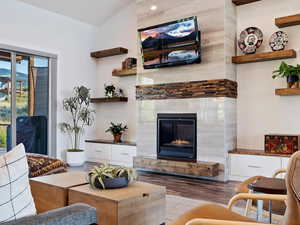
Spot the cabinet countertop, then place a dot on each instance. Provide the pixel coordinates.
(111, 142)
(256, 152)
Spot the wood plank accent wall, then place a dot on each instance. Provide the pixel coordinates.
(193, 89)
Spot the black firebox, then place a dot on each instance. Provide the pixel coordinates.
(177, 136)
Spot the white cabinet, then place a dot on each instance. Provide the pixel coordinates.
(285, 162)
(245, 166)
(114, 154)
(123, 155)
(97, 152)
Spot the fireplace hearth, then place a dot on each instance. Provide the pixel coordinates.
(177, 136)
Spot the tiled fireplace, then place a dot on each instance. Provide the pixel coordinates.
(207, 90)
(192, 123)
(177, 136)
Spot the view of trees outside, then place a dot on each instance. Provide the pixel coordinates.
(22, 99)
(5, 100)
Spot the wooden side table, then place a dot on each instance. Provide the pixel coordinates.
(267, 186)
(51, 192)
(138, 204)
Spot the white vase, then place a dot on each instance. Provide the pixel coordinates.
(75, 158)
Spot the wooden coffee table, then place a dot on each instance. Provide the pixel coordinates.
(51, 192)
(138, 204)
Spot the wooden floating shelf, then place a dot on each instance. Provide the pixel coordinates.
(109, 52)
(103, 141)
(266, 56)
(287, 91)
(243, 2)
(288, 21)
(125, 73)
(114, 99)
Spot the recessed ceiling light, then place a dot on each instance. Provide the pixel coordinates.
(153, 7)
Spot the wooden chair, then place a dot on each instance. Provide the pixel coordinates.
(218, 215)
(278, 206)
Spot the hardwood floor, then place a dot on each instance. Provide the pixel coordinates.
(200, 189)
(192, 188)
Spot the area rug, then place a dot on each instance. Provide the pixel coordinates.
(176, 206)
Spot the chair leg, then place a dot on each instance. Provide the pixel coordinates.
(248, 206)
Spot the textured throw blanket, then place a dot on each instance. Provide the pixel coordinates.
(40, 165)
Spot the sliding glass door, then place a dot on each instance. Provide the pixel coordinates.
(5, 98)
(24, 101)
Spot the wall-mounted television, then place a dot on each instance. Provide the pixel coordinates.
(171, 44)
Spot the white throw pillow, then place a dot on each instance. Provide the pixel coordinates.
(15, 195)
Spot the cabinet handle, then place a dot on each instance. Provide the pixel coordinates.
(99, 151)
(125, 154)
(146, 195)
(256, 167)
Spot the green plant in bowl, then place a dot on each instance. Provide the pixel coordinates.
(107, 177)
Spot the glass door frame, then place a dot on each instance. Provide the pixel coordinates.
(52, 101)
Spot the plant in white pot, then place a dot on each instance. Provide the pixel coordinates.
(78, 107)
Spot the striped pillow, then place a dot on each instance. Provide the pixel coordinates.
(15, 195)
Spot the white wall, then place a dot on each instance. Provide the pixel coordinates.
(119, 31)
(259, 110)
(29, 27)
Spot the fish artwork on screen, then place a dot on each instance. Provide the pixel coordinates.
(171, 44)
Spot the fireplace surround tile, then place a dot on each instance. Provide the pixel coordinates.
(212, 141)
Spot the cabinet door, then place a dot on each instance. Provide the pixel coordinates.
(285, 162)
(245, 166)
(123, 155)
(97, 152)
(284, 165)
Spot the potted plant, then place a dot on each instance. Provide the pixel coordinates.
(110, 91)
(117, 130)
(290, 72)
(108, 177)
(78, 107)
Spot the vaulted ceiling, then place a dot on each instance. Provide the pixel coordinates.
(93, 12)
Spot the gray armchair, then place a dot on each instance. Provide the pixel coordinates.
(77, 214)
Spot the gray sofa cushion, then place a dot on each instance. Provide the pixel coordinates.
(77, 214)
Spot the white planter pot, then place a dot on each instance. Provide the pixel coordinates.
(75, 158)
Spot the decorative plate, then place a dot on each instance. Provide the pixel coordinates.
(250, 40)
(278, 41)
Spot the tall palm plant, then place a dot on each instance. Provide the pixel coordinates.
(78, 106)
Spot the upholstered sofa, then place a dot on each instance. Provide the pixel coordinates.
(77, 214)
(17, 204)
